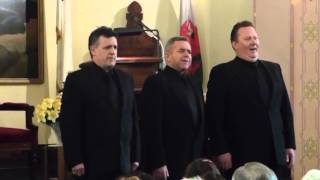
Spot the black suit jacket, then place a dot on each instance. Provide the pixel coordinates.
(239, 122)
(91, 132)
(169, 134)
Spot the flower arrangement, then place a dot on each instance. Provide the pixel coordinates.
(48, 110)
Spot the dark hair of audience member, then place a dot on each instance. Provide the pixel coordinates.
(204, 168)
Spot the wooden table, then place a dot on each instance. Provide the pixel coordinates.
(60, 161)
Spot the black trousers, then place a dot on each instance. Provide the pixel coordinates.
(282, 172)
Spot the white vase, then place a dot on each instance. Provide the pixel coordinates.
(56, 128)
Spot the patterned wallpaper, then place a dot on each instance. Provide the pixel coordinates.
(302, 68)
(306, 58)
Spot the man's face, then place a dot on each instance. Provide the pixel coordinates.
(179, 56)
(104, 52)
(247, 44)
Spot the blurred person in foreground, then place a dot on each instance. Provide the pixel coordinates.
(254, 171)
(203, 168)
(313, 174)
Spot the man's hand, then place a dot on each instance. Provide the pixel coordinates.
(134, 166)
(290, 157)
(78, 170)
(161, 173)
(224, 161)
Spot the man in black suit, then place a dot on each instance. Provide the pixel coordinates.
(98, 114)
(172, 115)
(248, 110)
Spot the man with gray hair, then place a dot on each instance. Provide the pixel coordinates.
(254, 171)
(172, 119)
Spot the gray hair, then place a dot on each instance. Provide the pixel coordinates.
(172, 40)
(254, 171)
(312, 174)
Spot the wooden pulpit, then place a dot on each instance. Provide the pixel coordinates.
(138, 53)
(138, 64)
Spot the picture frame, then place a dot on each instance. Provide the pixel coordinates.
(21, 42)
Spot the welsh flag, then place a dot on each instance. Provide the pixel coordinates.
(189, 30)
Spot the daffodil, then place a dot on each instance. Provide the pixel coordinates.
(48, 110)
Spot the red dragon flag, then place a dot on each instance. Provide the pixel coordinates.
(189, 30)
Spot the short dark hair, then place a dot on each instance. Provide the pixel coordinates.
(204, 168)
(237, 26)
(100, 31)
(172, 40)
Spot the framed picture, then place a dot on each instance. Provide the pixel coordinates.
(21, 41)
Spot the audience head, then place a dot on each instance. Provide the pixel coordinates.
(254, 171)
(103, 47)
(178, 53)
(129, 178)
(192, 178)
(245, 41)
(136, 176)
(203, 168)
(313, 174)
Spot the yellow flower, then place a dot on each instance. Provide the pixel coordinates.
(47, 103)
(48, 110)
(56, 104)
(52, 115)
